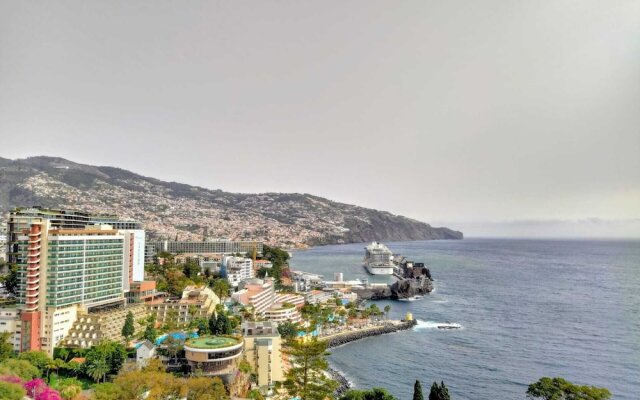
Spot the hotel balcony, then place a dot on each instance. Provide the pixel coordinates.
(32, 301)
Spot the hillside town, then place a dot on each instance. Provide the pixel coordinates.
(166, 215)
(90, 307)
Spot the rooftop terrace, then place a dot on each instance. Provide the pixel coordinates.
(212, 342)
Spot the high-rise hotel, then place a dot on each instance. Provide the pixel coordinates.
(69, 263)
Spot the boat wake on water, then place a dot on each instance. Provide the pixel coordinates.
(422, 325)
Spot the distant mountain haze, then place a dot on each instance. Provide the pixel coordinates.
(174, 210)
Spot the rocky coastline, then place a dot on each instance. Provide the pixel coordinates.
(343, 383)
(347, 337)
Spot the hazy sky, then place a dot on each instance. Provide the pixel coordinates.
(466, 113)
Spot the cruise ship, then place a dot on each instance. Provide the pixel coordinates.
(378, 259)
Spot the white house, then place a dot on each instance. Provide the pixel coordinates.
(145, 351)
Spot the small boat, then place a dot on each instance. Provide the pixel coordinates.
(449, 325)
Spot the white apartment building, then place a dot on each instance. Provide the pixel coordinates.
(236, 269)
(134, 254)
(257, 293)
(283, 313)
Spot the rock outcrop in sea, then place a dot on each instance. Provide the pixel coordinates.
(413, 280)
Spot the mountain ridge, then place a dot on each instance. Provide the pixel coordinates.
(174, 209)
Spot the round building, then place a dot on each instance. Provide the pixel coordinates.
(213, 355)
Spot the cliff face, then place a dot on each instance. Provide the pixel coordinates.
(170, 209)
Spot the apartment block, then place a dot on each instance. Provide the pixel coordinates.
(236, 269)
(220, 246)
(257, 293)
(262, 350)
(62, 270)
(20, 219)
(10, 322)
(196, 302)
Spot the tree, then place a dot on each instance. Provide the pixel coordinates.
(38, 359)
(105, 358)
(221, 288)
(222, 325)
(74, 367)
(201, 388)
(21, 368)
(71, 391)
(193, 310)
(128, 329)
(213, 321)
(191, 269)
(6, 348)
(417, 390)
(11, 391)
(439, 392)
(97, 368)
(559, 389)
(387, 308)
(107, 391)
(176, 281)
(117, 355)
(255, 394)
(171, 321)
(11, 280)
(373, 394)
(164, 386)
(132, 385)
(173, 347)
(288, 330)
(49, 394)
(203, 326)
(158, 384)
(150, 333)
(306, 378)
(35, 387)
(63, 353)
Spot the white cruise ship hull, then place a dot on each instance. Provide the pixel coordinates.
(379, 270)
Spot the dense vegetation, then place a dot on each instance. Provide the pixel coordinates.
(40, 377)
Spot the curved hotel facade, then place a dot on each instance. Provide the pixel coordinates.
(214, 355)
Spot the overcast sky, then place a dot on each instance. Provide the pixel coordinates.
(465, 113)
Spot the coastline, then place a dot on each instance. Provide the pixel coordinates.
(338, 339)
(342, 338)
(343, 383)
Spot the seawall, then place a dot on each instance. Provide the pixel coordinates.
(346, 337)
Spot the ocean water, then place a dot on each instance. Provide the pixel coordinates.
(527, 309)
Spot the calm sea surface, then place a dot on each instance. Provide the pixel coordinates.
(528, 308)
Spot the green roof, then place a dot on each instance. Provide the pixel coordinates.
(212, 342)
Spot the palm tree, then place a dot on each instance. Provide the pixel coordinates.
(98, 369)
(387, 308)
(193, 310)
